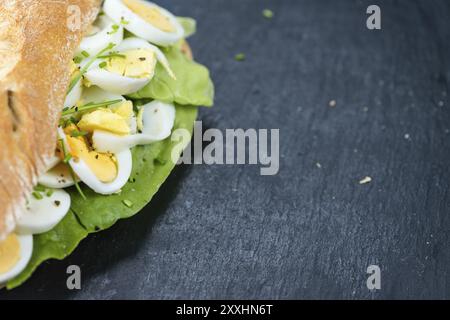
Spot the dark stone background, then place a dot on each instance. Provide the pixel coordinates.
(308, 232)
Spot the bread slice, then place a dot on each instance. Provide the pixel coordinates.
(37, 41)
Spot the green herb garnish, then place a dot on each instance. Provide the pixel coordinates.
(268, 14)
(128, 203)
(103, 65)
(115, 28)
(77, 60)
(39, 188)
(89, 106)
(37, 195)
(87, 66)
(67, 158)
(49, 192)
(123, 21)
(85, 54)
(112, 55)
(239, 57)
(77, 133)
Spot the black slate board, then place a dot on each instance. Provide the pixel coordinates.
(308, 232)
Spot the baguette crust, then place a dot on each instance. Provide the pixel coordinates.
(36, 46)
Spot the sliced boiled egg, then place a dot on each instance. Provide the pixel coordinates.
(128, 69)
(44, 213)
(75, 94)
(104, 173)
(133, 42)
(103, 32)
(125, 108)
(15, 253)
(155, 121)
(146, 20)
(58, 175)
(104, 119)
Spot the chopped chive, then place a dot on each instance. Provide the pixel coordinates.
(123, 21)
(113, 55)
(77, 60)
(49, 192)
(85, 53)
(37, 195)
(115, 28)
(103, 65)
(239, 57)
(268, 14)
(128, 203)
(89, 106)
(76, 133)
(39, 188)
(67, 158)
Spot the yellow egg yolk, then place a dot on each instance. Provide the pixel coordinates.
(138, 63)
(9, 253)
(124, 109)
(103, 165)
(74, 70)
(106, 120)
(151, 15)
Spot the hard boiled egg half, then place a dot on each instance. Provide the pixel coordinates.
(155, 122)
(104, 32)
(105, 173)
(44, 211)
(96, 95)
(58, 175)
(128, 69)
(15, 253)
(146, 20)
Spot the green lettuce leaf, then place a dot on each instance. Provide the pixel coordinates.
(193, 84)
(189, 25)
(152, 164)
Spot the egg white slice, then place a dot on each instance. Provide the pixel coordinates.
(157, 122)
(118, 11)
(96, 95)
(122, 85)
(26, 249)
(74, 95)
(44, 214)
(55, 177)
(115, 83)
(105, 35)
(82, 170)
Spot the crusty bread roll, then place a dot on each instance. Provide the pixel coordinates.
(37, 41)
